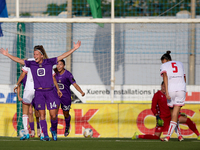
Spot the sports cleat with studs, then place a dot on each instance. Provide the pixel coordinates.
(41, 137)
(66, 131)
(180, 138)
(54, 135)
(135, 136)
(165, 139)
(46, 138)
(25, 137)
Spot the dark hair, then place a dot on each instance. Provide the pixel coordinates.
(55, 69)
(42, 50)
(62, 62)
(162, 83)
(166, 56)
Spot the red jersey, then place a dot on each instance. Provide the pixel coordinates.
(159, 105)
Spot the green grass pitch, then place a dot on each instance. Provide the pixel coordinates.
(7, 143)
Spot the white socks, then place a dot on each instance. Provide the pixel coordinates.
(178, 130)
(172, 126)
(25, 123)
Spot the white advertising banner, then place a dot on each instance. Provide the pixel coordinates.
(129, 93)
(101, 93)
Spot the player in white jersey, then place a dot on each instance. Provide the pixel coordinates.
(175, 82)
(28, 95)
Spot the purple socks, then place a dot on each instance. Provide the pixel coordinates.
(54, 124)
(31, 124)
(67, 121)
(43, 125)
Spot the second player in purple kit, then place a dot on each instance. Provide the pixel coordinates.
(65, 79)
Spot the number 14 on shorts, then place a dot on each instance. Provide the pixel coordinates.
(53, 105)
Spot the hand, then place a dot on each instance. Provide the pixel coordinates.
(19, 99)
(83, 94)
(59, 93)
(4, 52)
(15, 89)
(182, 114)
(160, 122)
(167, 96)
(77, 45)
(157, 117)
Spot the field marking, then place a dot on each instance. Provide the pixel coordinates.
(153, 141)
(127, 141)
(89, 140)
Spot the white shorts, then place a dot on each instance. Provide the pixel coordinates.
(28, 96)
(177, 98)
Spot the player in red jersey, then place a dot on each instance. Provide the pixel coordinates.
(161, 110)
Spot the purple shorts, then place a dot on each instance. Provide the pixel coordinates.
(65, 102)
(33, 103)
(48, 97)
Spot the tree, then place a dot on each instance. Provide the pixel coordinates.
(25, 14)
(125, 8)
(54, 10)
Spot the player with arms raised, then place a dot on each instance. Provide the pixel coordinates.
(43, 84)
(175, 83)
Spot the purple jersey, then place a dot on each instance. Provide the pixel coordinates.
(64, 81)
(42, 73)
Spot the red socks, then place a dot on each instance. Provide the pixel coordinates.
(148, 136)
(192, 126)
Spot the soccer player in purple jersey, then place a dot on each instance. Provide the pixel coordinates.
(28, 96)
(65, 79)
(29, 100)
(43, 84)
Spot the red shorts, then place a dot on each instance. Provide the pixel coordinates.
(165, 127)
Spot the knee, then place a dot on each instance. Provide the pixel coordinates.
(37, 115)
(53, 117)
(42, 117)
(30, 113)
(66, 115)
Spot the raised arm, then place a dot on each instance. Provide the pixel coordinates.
(16, 59)
(64, 55)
